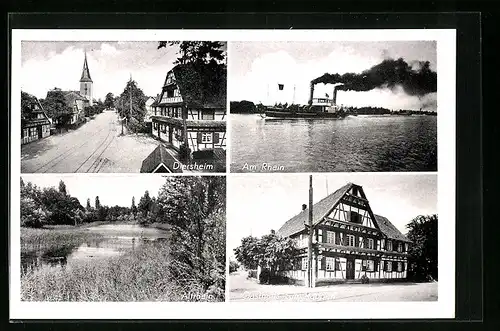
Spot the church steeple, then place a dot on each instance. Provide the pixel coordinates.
(85, 71)
(86, 88)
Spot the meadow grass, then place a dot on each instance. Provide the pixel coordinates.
(54, 237)
(145, 274)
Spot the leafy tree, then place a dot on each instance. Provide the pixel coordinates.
(144, 206)
(109, 101)
(97, 203)
(57, 108)
(197, 52)
(62, 188)
(247, 252)
(89, 207)
(423, 251)
(133, 95)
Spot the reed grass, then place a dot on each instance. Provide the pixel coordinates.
(54, 237)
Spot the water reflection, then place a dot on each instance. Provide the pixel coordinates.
(114, 240)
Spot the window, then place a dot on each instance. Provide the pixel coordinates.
(368, 265)
(400, 266)
(400, 247)
(370, 244)
(350, 240)
(389, 245)
(337, 264)
(207, 137)
(304, 263)
(330, 237)
(330, 263)
(361, 242)
(208, 115)
(389, 266)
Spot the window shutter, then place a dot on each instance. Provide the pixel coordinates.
(199, 137)
(216, 137)
(323, 263)
(375, 265)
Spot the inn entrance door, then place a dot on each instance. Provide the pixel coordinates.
(349, 273)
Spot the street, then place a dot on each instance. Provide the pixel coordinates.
(243, 289)
(96, 146)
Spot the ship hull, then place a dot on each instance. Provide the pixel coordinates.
(308, 115)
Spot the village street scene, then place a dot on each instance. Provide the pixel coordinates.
(335, 245)
(336, 106)
(122, 238)
(123, 107)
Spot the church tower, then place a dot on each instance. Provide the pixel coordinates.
(86, 87)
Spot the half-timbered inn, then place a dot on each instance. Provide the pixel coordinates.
(191, 110)
(35, 123)
(350, 242)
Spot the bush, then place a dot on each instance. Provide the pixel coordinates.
(265, 276)
(233, 266)
(365, 279)
(184, 152)
(252, 273)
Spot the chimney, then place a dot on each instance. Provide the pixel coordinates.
(334, 100)
(304, 206)
(311, 92)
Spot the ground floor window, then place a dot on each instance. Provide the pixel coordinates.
(400, 266)
(155, 125)
(305, 262)
(330, 263)
(389, 266)
(368, 265)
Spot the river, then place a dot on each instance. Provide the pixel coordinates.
(356, 143)
(110, 240)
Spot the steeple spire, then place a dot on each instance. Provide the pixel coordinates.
(85, 71)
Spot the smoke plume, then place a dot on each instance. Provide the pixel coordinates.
(416, 79)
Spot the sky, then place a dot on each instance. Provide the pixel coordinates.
(256, 69)
(260, 203)
(45, 65)
(112, 190)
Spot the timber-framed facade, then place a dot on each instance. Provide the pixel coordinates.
(191, 110)
(350, 242)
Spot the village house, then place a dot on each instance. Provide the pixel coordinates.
(35, 124)
(191, 110)
(349, 241)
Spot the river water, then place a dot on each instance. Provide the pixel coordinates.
(112, 240)
(356, 143)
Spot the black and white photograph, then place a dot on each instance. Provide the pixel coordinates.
(333, 106)
(325, 238)
(122, 239)
(123, 107)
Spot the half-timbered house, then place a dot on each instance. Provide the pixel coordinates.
(35, 124)
(349, 240)
(191, 110)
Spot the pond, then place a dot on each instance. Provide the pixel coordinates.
(107, 241)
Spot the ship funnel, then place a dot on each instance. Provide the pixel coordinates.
(311, 92)
(334, 96)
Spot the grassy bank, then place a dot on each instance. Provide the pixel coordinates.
(141, 275)
(54, 237)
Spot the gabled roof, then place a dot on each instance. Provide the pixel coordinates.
(159, 156)
(202, 86)
(389, 229)
(72, 96)
(322, 208)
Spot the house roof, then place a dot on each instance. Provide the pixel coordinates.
(322, 208)
(72, 96)
(159, 156)
(201, 86)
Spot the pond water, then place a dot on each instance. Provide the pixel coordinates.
(361, 143)
(110, 240)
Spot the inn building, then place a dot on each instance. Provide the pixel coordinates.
(37, 124)
(191, 109)
(349, 241)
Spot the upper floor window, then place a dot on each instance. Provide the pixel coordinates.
(370, 243)
(389, 245)
(208, 115)
(400, 247)
(361, 242)
(305, 262)
(330, 237)
(207, 137)
(350, 240)
(355, 217)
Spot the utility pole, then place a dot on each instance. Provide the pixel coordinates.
(311, 233)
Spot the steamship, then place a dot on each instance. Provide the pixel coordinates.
(316, 108)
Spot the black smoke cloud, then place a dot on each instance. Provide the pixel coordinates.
(416, 79)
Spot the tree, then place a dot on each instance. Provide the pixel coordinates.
(97, 203)
(144, 206)
(197, 52)
(109, 101)
(133, 208)
(132, 95)
(423, 252)
(62, 188)
(89, 207)
(247, 252)
(57, 108)
(27, 102)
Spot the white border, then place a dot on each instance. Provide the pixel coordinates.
(444, 307)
